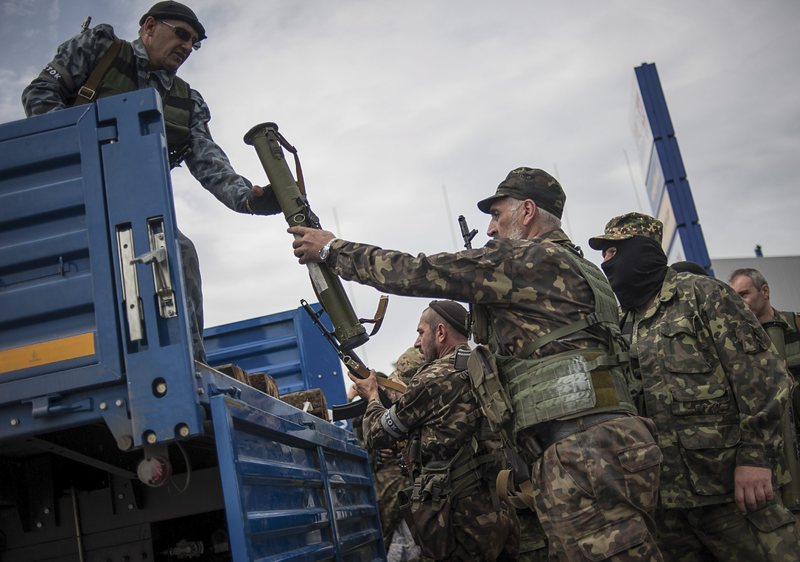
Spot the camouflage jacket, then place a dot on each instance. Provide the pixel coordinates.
(438, 406)
(74, 61)
(529, 287)
(713, 385)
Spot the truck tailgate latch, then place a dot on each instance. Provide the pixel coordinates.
(159, 258)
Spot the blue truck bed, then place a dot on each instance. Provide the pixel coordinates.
(99, 396)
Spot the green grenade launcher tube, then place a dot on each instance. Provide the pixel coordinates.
(328, 287)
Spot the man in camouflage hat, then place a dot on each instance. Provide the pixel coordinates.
(95, 63)
(716, 391)
(449, 510)
(550, 321)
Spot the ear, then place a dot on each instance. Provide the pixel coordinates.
(765, 290)
(441, 332)
(149, 25)
(529, 209)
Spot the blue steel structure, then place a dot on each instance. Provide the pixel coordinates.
(666, 172)
(97, 383)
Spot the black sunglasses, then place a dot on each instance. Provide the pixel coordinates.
(183, 35)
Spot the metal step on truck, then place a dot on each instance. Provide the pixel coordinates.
(114, 444)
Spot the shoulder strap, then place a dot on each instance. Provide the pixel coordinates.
(177, 120)
(605, 307)
(530, 348)
(88, 92)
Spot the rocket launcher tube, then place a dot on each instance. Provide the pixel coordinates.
(327, 286)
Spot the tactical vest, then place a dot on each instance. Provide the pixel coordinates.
(440, 481)
(566, 385)
(117, 73)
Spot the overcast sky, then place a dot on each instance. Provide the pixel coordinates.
(408, 112)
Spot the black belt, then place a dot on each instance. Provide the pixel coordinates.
(554, 431)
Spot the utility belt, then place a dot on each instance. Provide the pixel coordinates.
(551, 432)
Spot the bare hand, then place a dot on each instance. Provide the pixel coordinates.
(308, 242)
(752, 487)
(366, 388)
(387, 454)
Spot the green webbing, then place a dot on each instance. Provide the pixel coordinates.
(122, 76)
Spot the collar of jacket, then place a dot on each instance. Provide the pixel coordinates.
(668, 290)
(165, 77)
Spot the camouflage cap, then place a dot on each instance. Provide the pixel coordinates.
(530, 183)
(407, 364)
(628, 226)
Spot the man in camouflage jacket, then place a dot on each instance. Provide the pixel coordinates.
(158, 52)
(716, 391)
(595, 477)
(782, 329)
(439, 416)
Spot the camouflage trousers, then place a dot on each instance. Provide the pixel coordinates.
(482, 533)
(388, 482)
(595, 492)
(532, 539)
(469, 529)
(720, 532)
(193, 294)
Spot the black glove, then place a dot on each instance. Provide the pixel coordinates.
(265, 204)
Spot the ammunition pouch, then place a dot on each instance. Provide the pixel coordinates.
(479, 323)
(565, 386)
(488, 388)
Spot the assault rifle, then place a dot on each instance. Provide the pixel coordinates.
(356, 366)
(466, 233)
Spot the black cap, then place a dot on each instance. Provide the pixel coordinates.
(453, 313)
(171, 10)
(530, 183)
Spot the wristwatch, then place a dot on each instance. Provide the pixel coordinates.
(325, 251)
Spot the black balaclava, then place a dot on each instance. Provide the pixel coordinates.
(637, 270)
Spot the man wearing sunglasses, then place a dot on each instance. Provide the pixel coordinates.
(95, 64)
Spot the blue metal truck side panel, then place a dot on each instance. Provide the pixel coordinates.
(292, 493)
(70, 182)
(287, 346)
(52, 241)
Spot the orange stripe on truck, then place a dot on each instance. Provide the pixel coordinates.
(44, 353)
